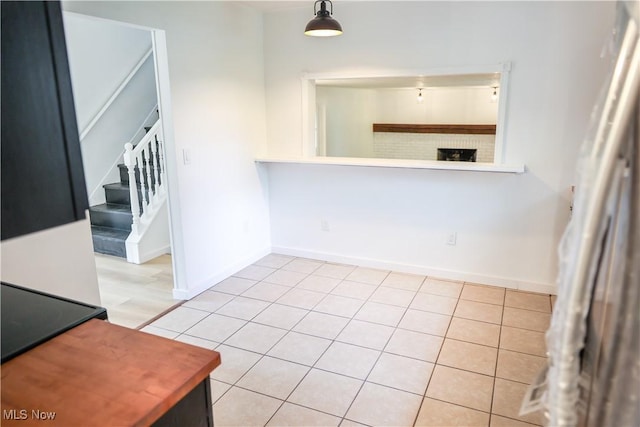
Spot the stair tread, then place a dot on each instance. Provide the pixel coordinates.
(116, 186)
(123, 166)
(119, 186)
(109, 233)
(109, 241)
(111, 207)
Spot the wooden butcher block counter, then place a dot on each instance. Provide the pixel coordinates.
(100, 374)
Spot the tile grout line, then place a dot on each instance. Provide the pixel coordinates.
(493, 391)
(352, 298)
(310, 368)
(364, 381)
(270, 304)
(262, 356)
(435, 363)
(349, 320)
(247, 320)
(479, 410)
(303, 377)
(373, 349)
(406, 310)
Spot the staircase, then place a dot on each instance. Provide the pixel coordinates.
(111, 222)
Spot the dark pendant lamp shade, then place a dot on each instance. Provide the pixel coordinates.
(323, 25)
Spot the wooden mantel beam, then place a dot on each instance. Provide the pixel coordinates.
(448, 129)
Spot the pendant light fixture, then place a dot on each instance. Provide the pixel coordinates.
(420, 97)
(494, 95)
(323, 25)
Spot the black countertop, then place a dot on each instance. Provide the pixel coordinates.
(30, 317)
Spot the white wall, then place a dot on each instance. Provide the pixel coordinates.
(123, 122)
(508, 225)
(218, 202)
(101, 54)
(155, 239)
(445, 105)
(348, 119)
(58, 261)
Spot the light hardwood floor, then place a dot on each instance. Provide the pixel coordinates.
(135, 294)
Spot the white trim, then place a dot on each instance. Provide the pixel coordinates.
(308, 106)
(161, 62)
(399, 163)
(186, 294)
(503, 97)
(138, 231)
(321, 131)
(463, 276)
(115, 94)
(475, 69)
(163, 88)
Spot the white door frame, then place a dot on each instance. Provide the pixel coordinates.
(163, 94)
(161, 62)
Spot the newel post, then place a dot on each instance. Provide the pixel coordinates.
(130, 162)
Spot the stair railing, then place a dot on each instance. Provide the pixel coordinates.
(145, 166)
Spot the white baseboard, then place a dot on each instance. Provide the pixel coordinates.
(147, 256)
(462, 276)
(186, 294)
(136, 257)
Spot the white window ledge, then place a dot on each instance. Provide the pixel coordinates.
(398, 163)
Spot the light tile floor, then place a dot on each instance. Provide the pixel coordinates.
(305, 343)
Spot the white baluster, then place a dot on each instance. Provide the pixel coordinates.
(161, 165)
(140, 160)
(130, 162)
(149, 155)
(152, 170)
(156, 164)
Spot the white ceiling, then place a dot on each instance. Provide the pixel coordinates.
(269, 5)
(475, 80)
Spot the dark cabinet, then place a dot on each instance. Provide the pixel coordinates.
(42, 177)
(29, 318)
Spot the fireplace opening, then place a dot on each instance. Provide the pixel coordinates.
(457, 154)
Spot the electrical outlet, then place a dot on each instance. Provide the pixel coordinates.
(451, 238)
(324, 225)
